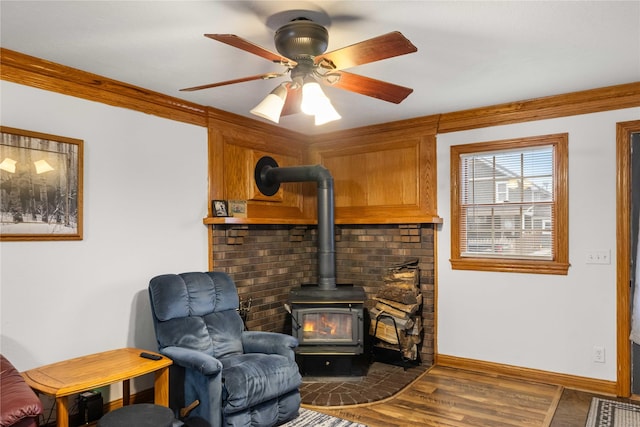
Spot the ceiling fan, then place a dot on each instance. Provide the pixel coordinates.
(301, 44)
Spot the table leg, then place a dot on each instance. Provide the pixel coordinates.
(126, 392)
(62, 411)
(161, 387)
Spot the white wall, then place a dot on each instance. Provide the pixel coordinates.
(539, 321)
(145, 194)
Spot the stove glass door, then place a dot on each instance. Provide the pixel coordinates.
(331, 326)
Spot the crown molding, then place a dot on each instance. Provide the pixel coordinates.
(568, 104)
(35, 72)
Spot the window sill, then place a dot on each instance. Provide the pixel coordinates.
(510, 265)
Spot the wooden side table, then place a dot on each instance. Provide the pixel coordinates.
(62, 379)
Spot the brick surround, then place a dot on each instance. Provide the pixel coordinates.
(266, 261)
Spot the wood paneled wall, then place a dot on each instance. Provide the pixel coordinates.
(381, 175)
(234, 150)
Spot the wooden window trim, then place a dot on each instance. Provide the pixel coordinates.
(560, 263)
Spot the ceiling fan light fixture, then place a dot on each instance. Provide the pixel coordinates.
(271, 106)
(326, 114)
(316, 103)
(301, 38)
(301, 44)
(312, 97)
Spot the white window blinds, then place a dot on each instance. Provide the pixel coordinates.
(507, 203)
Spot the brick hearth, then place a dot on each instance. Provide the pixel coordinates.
(267, 261)
(383, 380)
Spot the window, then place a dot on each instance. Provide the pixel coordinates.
(509, 205)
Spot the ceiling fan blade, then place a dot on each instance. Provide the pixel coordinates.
(370, 87)
(375, 49)
(240, 43)
(292, 103)
(230, 82)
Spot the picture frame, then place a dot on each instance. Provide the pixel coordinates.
(238, 208)
(41, 186)
(219, 208)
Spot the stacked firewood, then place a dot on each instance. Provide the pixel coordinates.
(396, 316)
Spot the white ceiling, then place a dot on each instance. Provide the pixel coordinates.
(470, 53)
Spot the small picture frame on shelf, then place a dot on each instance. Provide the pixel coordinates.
(238, 208)
(219, 208)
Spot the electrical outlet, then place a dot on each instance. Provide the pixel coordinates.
(598, 353)
(599, 257)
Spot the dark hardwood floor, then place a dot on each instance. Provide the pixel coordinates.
(448, 397)
(572, 409)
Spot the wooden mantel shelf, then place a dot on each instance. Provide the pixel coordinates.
(303, 221)
(391, 220)
(272, 221)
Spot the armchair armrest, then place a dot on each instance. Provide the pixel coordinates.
(19, 405)
(193, 359)
(269, 342)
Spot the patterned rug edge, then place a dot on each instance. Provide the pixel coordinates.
(612, 413)
(310, 418)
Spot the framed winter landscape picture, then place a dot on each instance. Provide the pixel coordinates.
(40, 186)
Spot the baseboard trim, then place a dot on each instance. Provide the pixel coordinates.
(568, 381)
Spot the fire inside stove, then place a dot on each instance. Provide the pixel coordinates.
(325, 327)
(328, 329)
(328, 321)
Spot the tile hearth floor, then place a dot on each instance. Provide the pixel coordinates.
(382, 380)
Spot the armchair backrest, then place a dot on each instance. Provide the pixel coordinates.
(197, 311)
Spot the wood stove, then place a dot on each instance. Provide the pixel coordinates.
(327, 319)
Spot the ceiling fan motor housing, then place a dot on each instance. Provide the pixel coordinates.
(301, 38)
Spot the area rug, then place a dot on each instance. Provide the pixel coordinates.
(309, 418)
(610, 413)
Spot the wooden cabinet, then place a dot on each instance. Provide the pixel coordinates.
(234, 150)
(386, 176)
(382, 174)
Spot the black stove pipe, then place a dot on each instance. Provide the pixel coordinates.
(268, 177)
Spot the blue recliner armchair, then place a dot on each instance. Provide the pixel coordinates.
(240, 378)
